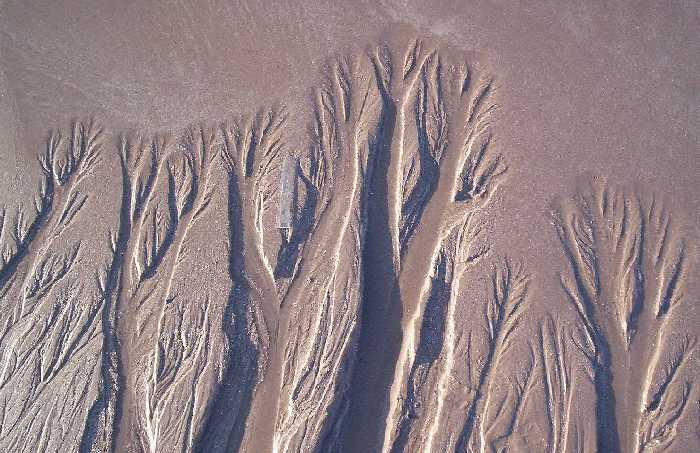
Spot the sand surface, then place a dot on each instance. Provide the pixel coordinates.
(368, 226)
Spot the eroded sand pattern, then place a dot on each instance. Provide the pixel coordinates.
(333, 280)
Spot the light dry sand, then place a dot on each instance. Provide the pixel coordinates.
(489, 220)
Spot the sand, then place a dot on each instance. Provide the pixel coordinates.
(379, 226)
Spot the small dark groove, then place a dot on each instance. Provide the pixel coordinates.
(412, 209)
(226, 417)
(112, 377)
(23, 247)
(431, 340)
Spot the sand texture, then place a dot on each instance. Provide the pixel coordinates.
(365, 227)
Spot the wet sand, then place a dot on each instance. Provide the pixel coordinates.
(380, 227)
